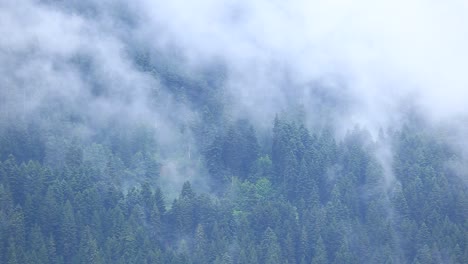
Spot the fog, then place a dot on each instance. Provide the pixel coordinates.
(351, 62)
(382, 54)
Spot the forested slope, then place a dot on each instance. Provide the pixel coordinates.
(219, 131)
(310, 199)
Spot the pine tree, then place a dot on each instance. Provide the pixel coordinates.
(52, 256)
(89, 251)
(200, 245)
(17, 229)
(423, 255)
(37, 245)
(16, 179)
(159, 201)
(68, 233)
(320, 254)
(270, 248)
(12, 253)
(155, 224)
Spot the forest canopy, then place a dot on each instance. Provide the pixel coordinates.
(233, 132)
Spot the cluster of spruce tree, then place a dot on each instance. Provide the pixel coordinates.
(302, 198)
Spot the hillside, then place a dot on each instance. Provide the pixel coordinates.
(233, 132)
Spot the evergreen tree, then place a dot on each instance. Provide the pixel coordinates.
(320, 254)
(270, 247)
(68, 233)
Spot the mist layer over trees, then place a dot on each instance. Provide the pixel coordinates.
(233, 132)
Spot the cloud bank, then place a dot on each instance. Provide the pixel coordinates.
(383, 54)
(371, 61)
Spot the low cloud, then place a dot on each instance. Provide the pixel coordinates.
(376, 60)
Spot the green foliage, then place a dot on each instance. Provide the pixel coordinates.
(314, 201)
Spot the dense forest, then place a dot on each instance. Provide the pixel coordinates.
(131, 136)
(303, 197)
